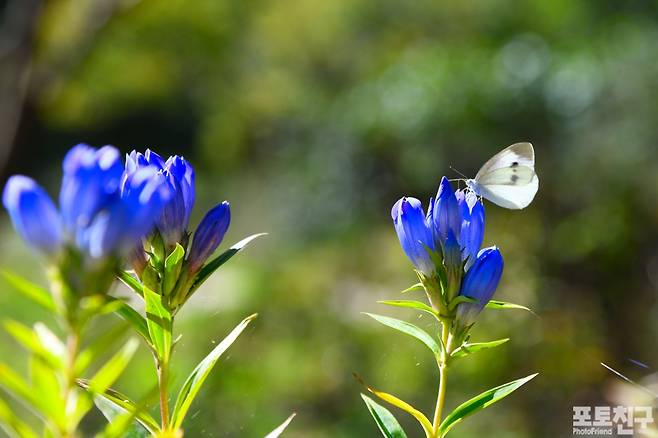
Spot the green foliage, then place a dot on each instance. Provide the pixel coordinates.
(386, 422)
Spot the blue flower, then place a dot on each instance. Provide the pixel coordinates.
(480, 283)
(91, 179)
(447, 215)
(103, 211)
(472, 229)
(178, 174)
(415, 232)
(208, 235)
(175, 217)
(33, 214)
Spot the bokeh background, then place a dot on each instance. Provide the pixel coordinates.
(313, 118)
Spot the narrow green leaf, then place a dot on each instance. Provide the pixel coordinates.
(123, 402)
(409, 329)
(44, 380)
(98, 346)
(121, 422)
(158, 321)
(467, 348)
(21, 390)
(413, 305)
(458, 300)
(137, 321)
(195, 380)
(12, 425)
(480, 402)
(129, 280)
(112, 368)
(32, 291)
(276, 433)
(399, 403)
(172, 267)
(386, 422)
(31, 341)
(413, 288)
(494, 304)
(224, 257)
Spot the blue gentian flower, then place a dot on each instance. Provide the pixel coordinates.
(33, 214)
(447, 216)
(178, 174)
(208, 235)
(103, 211)
(414, 230)
(472, 229)
(480, 283)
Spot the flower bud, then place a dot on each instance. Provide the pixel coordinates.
(33, 214)
(209, 235)
(480, 283)
(414, 232)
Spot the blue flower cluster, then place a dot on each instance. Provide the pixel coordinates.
(444, 244)
(102, 211)
(106, 208)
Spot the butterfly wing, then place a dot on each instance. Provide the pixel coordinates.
(508, 179)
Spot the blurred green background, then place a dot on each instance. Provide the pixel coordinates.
(312, 118)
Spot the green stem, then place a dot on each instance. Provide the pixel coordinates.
(442, 362)
(72, 348)
(163, 376)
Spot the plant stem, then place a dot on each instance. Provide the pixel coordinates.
(443, 369)
(72, 348)
(163, 375)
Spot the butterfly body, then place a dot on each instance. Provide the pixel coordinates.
(508, 179)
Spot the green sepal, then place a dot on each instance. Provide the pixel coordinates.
(480, 402)
(458, 300)
(172, 267)
(386, 422)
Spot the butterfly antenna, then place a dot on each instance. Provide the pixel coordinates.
(458, 172)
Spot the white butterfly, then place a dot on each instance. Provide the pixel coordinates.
(508, 179)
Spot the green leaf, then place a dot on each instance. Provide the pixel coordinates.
(98, 346)
(399, 403)
(224, 257)
(413, 305)
(493, 304)
(414, 288)
(44, 380)
(32, 291)
(195, 380)
(121, 422)
(158, 321)
(21, 390)
(386, 422)
(31, 341)
(112, 368)
(409, 329)
(467, 348)
(137, 321)
(12, 425)
(480, 402)
(172, 267)
(458, 300)
(129, 280)
(123, 402)
(276, 433)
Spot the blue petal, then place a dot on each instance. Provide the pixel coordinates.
(472, 233)
(209, 234)
(414, 233)
(447, 215)
(480, 283)
(33, 214)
